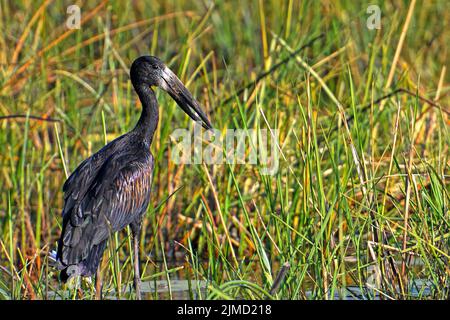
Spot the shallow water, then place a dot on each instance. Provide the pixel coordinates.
(178, 289)
(187, 290)
(419, 288)
(183, 289)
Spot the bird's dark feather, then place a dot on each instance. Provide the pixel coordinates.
(103, 195)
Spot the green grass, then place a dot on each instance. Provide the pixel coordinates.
(361, 199)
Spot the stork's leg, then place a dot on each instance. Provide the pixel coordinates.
(136, 230)
(137, 273)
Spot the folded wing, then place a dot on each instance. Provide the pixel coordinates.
(117, 195)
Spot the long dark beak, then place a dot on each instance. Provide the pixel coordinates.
(183, 97)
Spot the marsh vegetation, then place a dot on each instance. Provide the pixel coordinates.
(360, 200)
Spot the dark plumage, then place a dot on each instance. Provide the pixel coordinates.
(111, 189)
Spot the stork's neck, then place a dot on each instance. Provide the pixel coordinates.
(148, 121)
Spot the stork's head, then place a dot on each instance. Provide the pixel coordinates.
(151, 71)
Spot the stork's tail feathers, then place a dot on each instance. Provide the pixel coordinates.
(69, 272)
(84, 268)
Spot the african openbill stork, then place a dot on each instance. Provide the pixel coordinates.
(111, 189)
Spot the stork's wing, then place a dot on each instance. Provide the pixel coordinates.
(79, 182)
(117, 196)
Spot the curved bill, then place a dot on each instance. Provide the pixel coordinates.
(183, 97)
